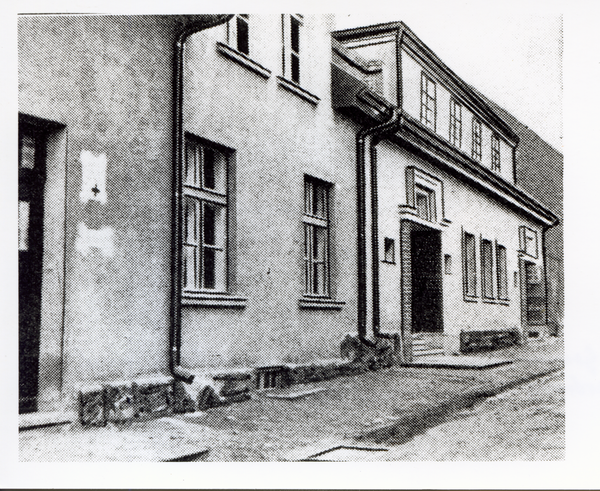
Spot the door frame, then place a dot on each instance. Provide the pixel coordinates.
(406, 301)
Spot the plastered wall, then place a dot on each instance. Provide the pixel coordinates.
(108, 81)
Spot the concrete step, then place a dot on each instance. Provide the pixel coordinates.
(428, 352)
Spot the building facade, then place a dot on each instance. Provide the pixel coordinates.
(204, 194)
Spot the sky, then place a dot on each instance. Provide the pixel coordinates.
(514, 59)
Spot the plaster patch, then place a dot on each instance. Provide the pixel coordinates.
(101, 239)
(93, 177)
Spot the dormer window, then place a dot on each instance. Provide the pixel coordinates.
(455, 123)
(428, 101)
(476, 139)
(495, 152)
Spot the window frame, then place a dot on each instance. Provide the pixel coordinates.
(426, 99)
(524, 241)
(487, 269)
(292, 42)
(501, 273)
(455, 123)
(312, 221)
(495, 152)
(197, 193)
(429, 194)
(389, 250)
(469, 274)
(233, 32)
(476, 139)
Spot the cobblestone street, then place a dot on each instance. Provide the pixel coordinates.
(526, 423)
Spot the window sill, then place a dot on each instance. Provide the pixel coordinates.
(296, 89)
(222, 300)
(495, 301)
(470, 299)
(388, 262)
(320, 303)
(243, 60)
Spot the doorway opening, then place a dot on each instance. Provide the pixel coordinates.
(426, 257)
(32, 175)
(422, 299)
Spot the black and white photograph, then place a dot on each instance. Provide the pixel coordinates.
(276, 237)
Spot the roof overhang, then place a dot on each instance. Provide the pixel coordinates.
(353, 98)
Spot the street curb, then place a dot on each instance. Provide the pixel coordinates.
(419, 420)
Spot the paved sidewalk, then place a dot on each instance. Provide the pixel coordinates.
(388, 406)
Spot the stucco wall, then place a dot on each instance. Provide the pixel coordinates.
(278, 138)
(108, 80)
(468, 209)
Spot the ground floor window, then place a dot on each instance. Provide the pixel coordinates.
(501, 273)
(469, 265)
(487, 268)
(316, 237)
(205, 217)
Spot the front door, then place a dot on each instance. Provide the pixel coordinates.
(31, 214)
(426, 249)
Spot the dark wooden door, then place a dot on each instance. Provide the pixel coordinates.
(426, 249)
(31, 229)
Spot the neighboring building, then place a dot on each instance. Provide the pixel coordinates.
(214, 220)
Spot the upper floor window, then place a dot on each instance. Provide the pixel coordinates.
(425, 203)
(316, 237)
(292, 30)
(428, 101)
(239, 33)
(205, 217)
(455, 123)
(495, 152)
(476, 139)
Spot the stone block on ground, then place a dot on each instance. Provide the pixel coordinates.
(91, 406)
(184, 400)
(154, 397)
(120, 403)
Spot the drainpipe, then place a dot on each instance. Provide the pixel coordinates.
(175, 326)
(375, 132)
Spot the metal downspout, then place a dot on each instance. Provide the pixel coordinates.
(175, 325)
(375, 131)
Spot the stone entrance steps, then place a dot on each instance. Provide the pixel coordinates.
(423, 346)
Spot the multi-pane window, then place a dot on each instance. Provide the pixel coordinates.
(239, 33)
(476, 139)
(455, 123)
(501, 272)
(316, 237)
(425, 203)
(205, 218)
(528, 242)
(295, 24)
(469, 265)
(495, 152)
(428, 101)
(487, 268)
